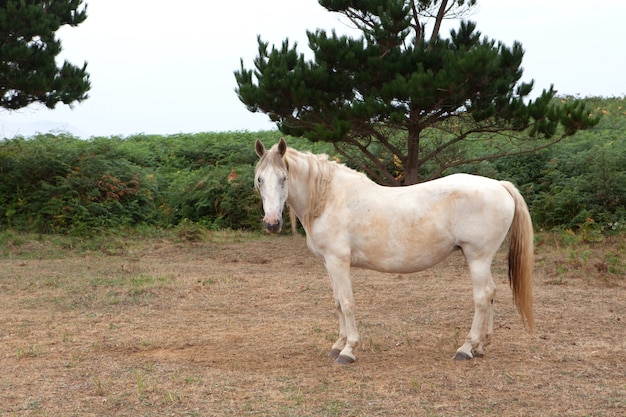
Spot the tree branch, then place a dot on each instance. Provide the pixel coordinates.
(417, 26)
(502, 153)
(386, 176)
(440, 15)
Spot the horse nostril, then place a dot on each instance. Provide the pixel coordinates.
(273, 227)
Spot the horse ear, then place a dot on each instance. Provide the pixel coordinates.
(259, 148)
(282, 147)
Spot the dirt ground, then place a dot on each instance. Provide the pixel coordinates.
(243, 327)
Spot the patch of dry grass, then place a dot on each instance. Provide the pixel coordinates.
(241, 325)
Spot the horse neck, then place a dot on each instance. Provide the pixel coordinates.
(309, 183)
(298, 195)
(298, 202)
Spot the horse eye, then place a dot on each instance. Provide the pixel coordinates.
(259, 180)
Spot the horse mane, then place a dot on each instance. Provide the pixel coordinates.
(318, 177)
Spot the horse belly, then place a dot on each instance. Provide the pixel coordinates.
(402, 252)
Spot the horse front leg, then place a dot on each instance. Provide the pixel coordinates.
(340, 343)
(342, 349)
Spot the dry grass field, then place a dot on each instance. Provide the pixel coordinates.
(240, 325)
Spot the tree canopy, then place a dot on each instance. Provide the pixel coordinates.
(399, 103)
(28, 51)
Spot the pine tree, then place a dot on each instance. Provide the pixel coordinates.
(28, 48)
(399, 104)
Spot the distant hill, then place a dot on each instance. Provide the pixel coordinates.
(11, 129)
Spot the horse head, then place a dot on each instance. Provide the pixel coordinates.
(270, 180)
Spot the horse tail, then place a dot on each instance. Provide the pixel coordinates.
(521, 257)
(293, 221)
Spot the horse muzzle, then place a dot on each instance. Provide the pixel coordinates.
(273, 226)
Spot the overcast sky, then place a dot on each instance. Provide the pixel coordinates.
(157, 68)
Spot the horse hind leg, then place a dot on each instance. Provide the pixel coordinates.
(484, 291)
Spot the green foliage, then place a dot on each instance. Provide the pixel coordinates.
(579, 183)
(28, 51)
(355, 91)
(61, 184)
(220, 197)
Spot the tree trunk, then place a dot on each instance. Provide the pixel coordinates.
(412, 165)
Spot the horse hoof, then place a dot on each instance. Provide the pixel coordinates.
(334, 354)
(462, 356)
(344, 360)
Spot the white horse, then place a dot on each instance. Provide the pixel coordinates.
(351, 221)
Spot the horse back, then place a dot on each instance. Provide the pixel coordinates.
(407, 229)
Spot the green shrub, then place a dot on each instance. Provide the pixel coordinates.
(61, 184)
